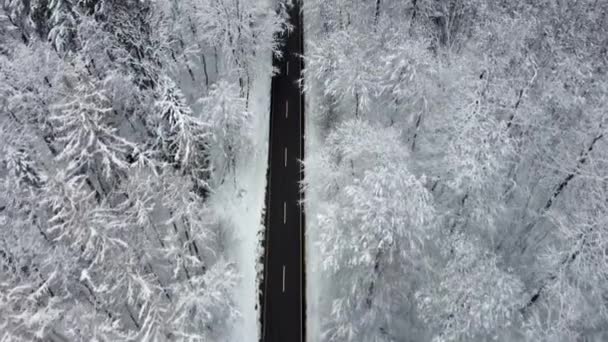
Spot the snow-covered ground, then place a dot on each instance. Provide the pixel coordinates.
(313, 142)
(240, 203)
(312, 258)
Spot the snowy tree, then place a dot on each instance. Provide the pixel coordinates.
(201, 313)
(182, 136)
(349, 67)
(105, 230)
(375, 225)
(229, 127)
(471, 298)
(28, 274)
(502, 107)
(240, 30)
(90, 144)
(62, 23)
(571, 285)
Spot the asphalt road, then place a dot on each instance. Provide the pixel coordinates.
(283, 300)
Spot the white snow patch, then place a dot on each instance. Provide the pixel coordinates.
(317, 300)
(314, 282)
(240, 202)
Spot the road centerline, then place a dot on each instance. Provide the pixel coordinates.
(283, 278)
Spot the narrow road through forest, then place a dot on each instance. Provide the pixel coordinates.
(283, 300)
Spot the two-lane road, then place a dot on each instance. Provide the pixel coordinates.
(283, 288)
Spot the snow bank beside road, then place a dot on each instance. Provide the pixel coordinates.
(240, 202)
(312, 144)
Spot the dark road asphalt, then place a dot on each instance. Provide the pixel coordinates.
(283, 289)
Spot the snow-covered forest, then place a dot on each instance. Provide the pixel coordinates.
(119, 121)
(456, 170)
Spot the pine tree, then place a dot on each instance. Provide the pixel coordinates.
(183, 137)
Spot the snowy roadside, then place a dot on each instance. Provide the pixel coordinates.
(312, 145)
(240, 202)
(312, 256)
(314, 281)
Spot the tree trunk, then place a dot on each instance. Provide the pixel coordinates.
(418, 119)
(377, 15)
(357, 105)
(205, 69)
